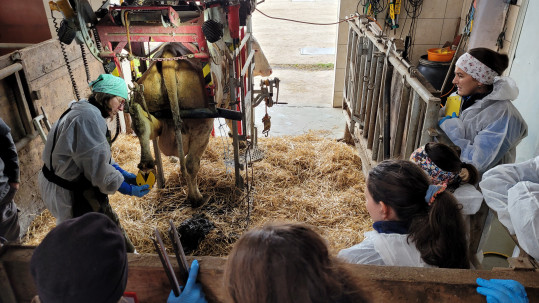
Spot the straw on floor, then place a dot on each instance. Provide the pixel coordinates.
(307, 178)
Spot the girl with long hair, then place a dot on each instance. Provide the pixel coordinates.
(416, 223)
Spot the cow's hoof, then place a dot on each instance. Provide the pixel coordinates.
(195, 203)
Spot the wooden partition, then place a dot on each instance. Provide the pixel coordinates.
(381, 283)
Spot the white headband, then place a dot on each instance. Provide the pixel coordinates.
(477, 69)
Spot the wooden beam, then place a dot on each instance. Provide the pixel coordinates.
(382, 283)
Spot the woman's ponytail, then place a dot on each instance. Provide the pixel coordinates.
(469, 174)
(440, 236)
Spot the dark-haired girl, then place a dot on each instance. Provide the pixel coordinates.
(415, 223)
(489, 126)
(444, 167)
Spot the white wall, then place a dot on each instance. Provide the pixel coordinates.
(523, 70)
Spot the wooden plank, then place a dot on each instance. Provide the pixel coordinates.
(382, 283)
(6, 292)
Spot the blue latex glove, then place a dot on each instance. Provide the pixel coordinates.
(454, 115)
(192, 292)
(134, 190)
(502, 291)
(128, 177)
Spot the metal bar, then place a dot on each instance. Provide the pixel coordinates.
(242, 43)
(161, 251)
(370, 87)
(361, 81)
(412, 125)
(365, 105)
(375, 98)
(420, 121)
(352, 80)
(347, 65)
(358, 77)
(178, 251)
(247, 63)
(9, 70)
(429, 122)
(401, 120)
(423, 92)
(386, 110)
(377, 137)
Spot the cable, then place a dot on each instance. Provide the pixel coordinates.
(305, 22)
(448, 91)
(495, 253)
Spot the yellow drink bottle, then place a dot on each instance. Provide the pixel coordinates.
(452, 105)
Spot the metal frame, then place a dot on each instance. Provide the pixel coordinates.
(374, 67)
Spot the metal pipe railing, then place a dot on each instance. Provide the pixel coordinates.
(410, 117)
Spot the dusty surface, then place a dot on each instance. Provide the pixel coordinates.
(308, 92)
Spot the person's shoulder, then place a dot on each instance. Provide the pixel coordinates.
(87, 113)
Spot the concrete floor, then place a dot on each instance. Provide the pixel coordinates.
(308, 93)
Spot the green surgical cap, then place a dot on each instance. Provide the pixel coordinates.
(110, 84)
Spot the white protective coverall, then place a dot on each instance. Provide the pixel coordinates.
(384, 249)
(512, 191)
(489, 131)
(469, 197)
(81, 148)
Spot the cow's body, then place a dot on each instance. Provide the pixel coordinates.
(165, 84)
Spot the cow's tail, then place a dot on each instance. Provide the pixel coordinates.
(171, 85)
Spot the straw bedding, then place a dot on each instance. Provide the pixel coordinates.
(305, 178)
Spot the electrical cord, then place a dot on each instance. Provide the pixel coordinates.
(305, 22)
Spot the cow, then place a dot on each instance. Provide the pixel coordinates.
(167, 86)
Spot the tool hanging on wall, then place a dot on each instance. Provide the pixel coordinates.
(392, 17)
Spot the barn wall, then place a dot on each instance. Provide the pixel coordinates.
(22, 22)
(438, 22)
(47, 85)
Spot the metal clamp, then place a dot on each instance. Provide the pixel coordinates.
(37, 123)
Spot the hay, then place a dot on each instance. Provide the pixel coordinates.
(304, 178)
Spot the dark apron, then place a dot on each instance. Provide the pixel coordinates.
(86, 197)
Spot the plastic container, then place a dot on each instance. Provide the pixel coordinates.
(440, 54)
(435, 72)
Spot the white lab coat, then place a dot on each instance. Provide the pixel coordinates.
(512, 191)
(489, 131)
(81, 148)
(384, 249)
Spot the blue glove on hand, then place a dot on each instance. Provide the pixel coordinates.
(192, 293)
(502, 291)
(134, 190)
(454, 115)
(128, 177)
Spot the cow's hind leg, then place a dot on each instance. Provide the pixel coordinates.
(145, 131)
(199, 136)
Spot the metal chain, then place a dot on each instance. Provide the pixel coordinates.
(184, 57)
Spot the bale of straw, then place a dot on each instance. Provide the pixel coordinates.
(306, 178)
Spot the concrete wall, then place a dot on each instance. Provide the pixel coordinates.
(438, 22)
